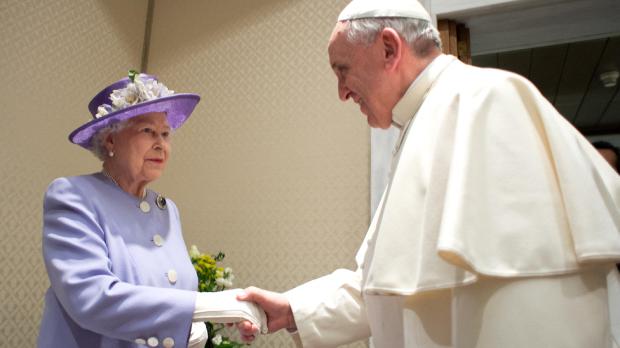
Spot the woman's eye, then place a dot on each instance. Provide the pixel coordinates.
(147, 130)
(165, 134)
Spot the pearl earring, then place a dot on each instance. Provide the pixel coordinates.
(111, 153)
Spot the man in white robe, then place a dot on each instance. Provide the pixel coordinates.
(500, 225)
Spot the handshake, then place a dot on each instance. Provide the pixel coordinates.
(253, 310)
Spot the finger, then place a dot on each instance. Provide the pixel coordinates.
(248, 294)
(248, 338)
(245, 328)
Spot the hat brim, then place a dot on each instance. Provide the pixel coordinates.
(178, 108)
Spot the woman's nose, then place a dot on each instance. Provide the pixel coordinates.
(159, 140)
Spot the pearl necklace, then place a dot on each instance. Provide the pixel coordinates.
(144, 205)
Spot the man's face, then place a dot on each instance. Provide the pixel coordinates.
(362, 76)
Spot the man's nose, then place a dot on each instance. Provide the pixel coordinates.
(343, 92)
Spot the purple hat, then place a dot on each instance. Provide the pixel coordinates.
(132, 96)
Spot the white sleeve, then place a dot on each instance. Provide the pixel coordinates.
(329, 311)
(223, 307)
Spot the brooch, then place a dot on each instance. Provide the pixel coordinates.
(160, 201)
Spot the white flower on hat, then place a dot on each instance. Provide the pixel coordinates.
(137, 91)
(122, 98)
(151, 89)
(103, 110)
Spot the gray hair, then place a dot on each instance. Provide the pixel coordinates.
(98, 141)
(420, 35)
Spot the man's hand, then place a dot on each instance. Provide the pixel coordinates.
(276, 307)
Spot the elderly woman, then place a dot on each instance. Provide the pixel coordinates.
(119, 271)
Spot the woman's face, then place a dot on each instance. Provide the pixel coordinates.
(142, 148)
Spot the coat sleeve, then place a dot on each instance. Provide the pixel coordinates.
(76, 258)
(329, 311)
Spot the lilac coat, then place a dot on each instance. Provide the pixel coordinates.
(111, 284)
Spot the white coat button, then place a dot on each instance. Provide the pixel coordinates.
(145, 206)
(141, 341)
(172, 276)
(168, 342)
(153, 342)
(158, 240)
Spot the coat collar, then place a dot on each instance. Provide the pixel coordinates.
(411, 101)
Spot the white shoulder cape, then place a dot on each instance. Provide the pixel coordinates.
(490, 180)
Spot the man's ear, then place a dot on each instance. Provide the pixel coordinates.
(392, 48)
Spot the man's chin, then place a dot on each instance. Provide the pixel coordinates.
(378, 125)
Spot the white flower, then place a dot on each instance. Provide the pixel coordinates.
(194, 252)
(144, 92)
(151, 89)
(122, 98)
(226, 283)
(217, 340)
(135, 92)
(102, 110)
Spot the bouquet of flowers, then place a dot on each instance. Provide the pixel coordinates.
(212, 277)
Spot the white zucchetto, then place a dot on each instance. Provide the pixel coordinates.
(358, 9)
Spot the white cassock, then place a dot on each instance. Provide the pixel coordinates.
(499, 228)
